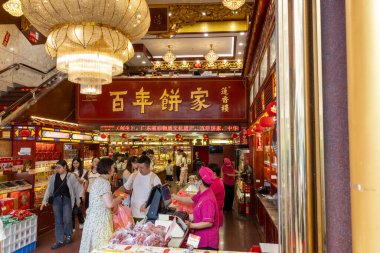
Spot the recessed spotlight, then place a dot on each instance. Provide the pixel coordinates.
(184, 62)
(171, 36)
(143, 62)
(198, 61)
(204, 13)
(169, 14)
(239, 52)
(239, 60)
(138, 56)
(242, 33)
(224, 61)
(241, 44)
(205, 34)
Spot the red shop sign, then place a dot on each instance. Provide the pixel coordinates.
(160, 100)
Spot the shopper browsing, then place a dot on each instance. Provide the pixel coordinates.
(130, 168)
(178, 162)
(150, 154)
(61, 194)
(91, 176)
(80, 174)
(98, 227)
(120, 166)
(184, 170)
(205, 221)
(169, 171)
(139, 185)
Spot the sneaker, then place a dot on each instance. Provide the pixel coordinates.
(80, 226)
(69, 239)
(57, 245)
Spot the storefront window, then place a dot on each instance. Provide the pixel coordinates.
(272, 49)
(263, 67)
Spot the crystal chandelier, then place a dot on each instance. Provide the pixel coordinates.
(169, 56)
(91, 39)
(13, 7)
(233, 4)
(211, 56)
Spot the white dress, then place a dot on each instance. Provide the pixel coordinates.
(98, 227)
(2, 233)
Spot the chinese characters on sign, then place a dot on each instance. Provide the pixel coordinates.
(165, 128)
(169, 101)
(225, 106)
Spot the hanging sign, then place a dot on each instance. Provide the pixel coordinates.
(170, 100)
(259, 142)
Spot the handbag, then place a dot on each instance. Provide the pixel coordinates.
(51, 198)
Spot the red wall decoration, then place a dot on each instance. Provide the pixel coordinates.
(166, 100)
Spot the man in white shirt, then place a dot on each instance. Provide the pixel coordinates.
(140, 185)
(178, 162)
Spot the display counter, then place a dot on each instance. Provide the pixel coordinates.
(267, 215)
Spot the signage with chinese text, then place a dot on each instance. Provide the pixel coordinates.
(173, 100)
(166, 128)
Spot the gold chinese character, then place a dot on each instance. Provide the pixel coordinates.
(225, 100)
(225, 108)
(173, 100)
(142, 98)
(224, 91)
(118, 102)
(199, 99)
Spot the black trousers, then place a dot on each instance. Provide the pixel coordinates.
(177, 171)
(77, 211)
(229, 197)
(87, 204)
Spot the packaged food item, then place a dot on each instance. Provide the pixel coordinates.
(7, 205)
(23, 199)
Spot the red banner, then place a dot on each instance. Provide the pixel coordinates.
(160, 100)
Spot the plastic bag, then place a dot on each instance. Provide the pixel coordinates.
(122, 217)
(189, 208)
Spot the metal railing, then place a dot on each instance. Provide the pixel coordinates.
(17, 66)
(30, 98)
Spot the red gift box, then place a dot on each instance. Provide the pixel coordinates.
(7, 205)
(23, 199)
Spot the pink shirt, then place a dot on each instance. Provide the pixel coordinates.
(206, 210)
(218, 188)
(228, 180)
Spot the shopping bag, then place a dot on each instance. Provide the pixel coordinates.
(122, 217)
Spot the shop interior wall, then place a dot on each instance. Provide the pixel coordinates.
(228, 151)
(337, 168)
(58, 104)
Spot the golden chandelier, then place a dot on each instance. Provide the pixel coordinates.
(13, 7)
(91, 39)
(233, 4)
(211, 56)
(169, 56)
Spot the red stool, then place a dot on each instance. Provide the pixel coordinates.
(255, 249)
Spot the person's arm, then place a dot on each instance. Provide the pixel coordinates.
(186, 200)
(111, 202)
(127, 187)
(48, 192)
(199, 225)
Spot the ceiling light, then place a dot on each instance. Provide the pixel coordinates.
(169, 14)
(204, 13)
(184, 62)
(241, 44)
(90, 89)
(171, 36)
(198, 61)
(89, 45)
(211, 56)
(205, 34)
(242, 33)
(233, 4)
(13, 7)
(138, 56)
(224, 61)
(169, 56)
(143, 62)
(239, 53)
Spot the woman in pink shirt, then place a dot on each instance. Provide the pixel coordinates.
(229, 174)
(218, 188)
(205, 222)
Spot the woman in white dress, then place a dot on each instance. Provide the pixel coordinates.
(98, 227)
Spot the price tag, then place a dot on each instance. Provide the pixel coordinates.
(193, 240)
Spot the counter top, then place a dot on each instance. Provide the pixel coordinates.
(271, 208)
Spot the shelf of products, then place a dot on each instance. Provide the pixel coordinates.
(15, 195)
(243, 194)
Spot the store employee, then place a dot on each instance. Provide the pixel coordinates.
(205, 217)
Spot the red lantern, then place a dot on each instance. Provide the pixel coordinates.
(177, 136)
(259, 128)
(24, 133)
(250, 131)
(266, 122)
(124, 136)
(235, 135)
(205, 136)
(103, 136)
(272, 109)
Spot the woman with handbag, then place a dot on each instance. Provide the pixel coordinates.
(60, 193)
(80, 174)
